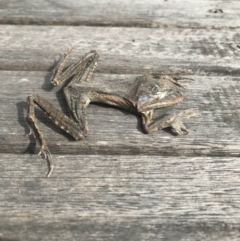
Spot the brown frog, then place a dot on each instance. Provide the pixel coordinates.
(141, 96)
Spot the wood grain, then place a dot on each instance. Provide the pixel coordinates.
(113, 131)
(121, 184)
(116, 197)
(197, 14)
(122, 50)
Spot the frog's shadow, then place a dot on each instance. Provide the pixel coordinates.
(21, 106)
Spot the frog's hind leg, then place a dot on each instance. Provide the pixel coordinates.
(173, 120)
(59, 118)
(35, 130)
(77, 101)
(84, 68)
(81, 70)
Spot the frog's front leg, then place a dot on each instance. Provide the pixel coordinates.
(173, 120)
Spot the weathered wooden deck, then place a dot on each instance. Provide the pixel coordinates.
(121, 184)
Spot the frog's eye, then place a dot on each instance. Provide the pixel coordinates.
(155, 90)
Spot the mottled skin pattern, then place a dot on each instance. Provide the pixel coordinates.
(141, 96)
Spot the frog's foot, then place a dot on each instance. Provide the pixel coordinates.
(46, 154)
(179, 128)
(173, 120)
(177, 125)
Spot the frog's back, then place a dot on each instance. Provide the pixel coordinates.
(120, 87)
(149, 93)
(131, 89)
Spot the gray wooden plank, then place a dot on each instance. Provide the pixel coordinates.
(120, 198)
(153, 14)
(151, 196)
(113, 131)
(122, 50)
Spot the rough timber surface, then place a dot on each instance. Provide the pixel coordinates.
(123, 50)
(120, 198)
(121, 184)
(138, 13)
(113, 131)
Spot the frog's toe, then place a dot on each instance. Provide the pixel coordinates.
(46, 154)
(179, 128)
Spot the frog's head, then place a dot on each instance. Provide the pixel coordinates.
(158, 96)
